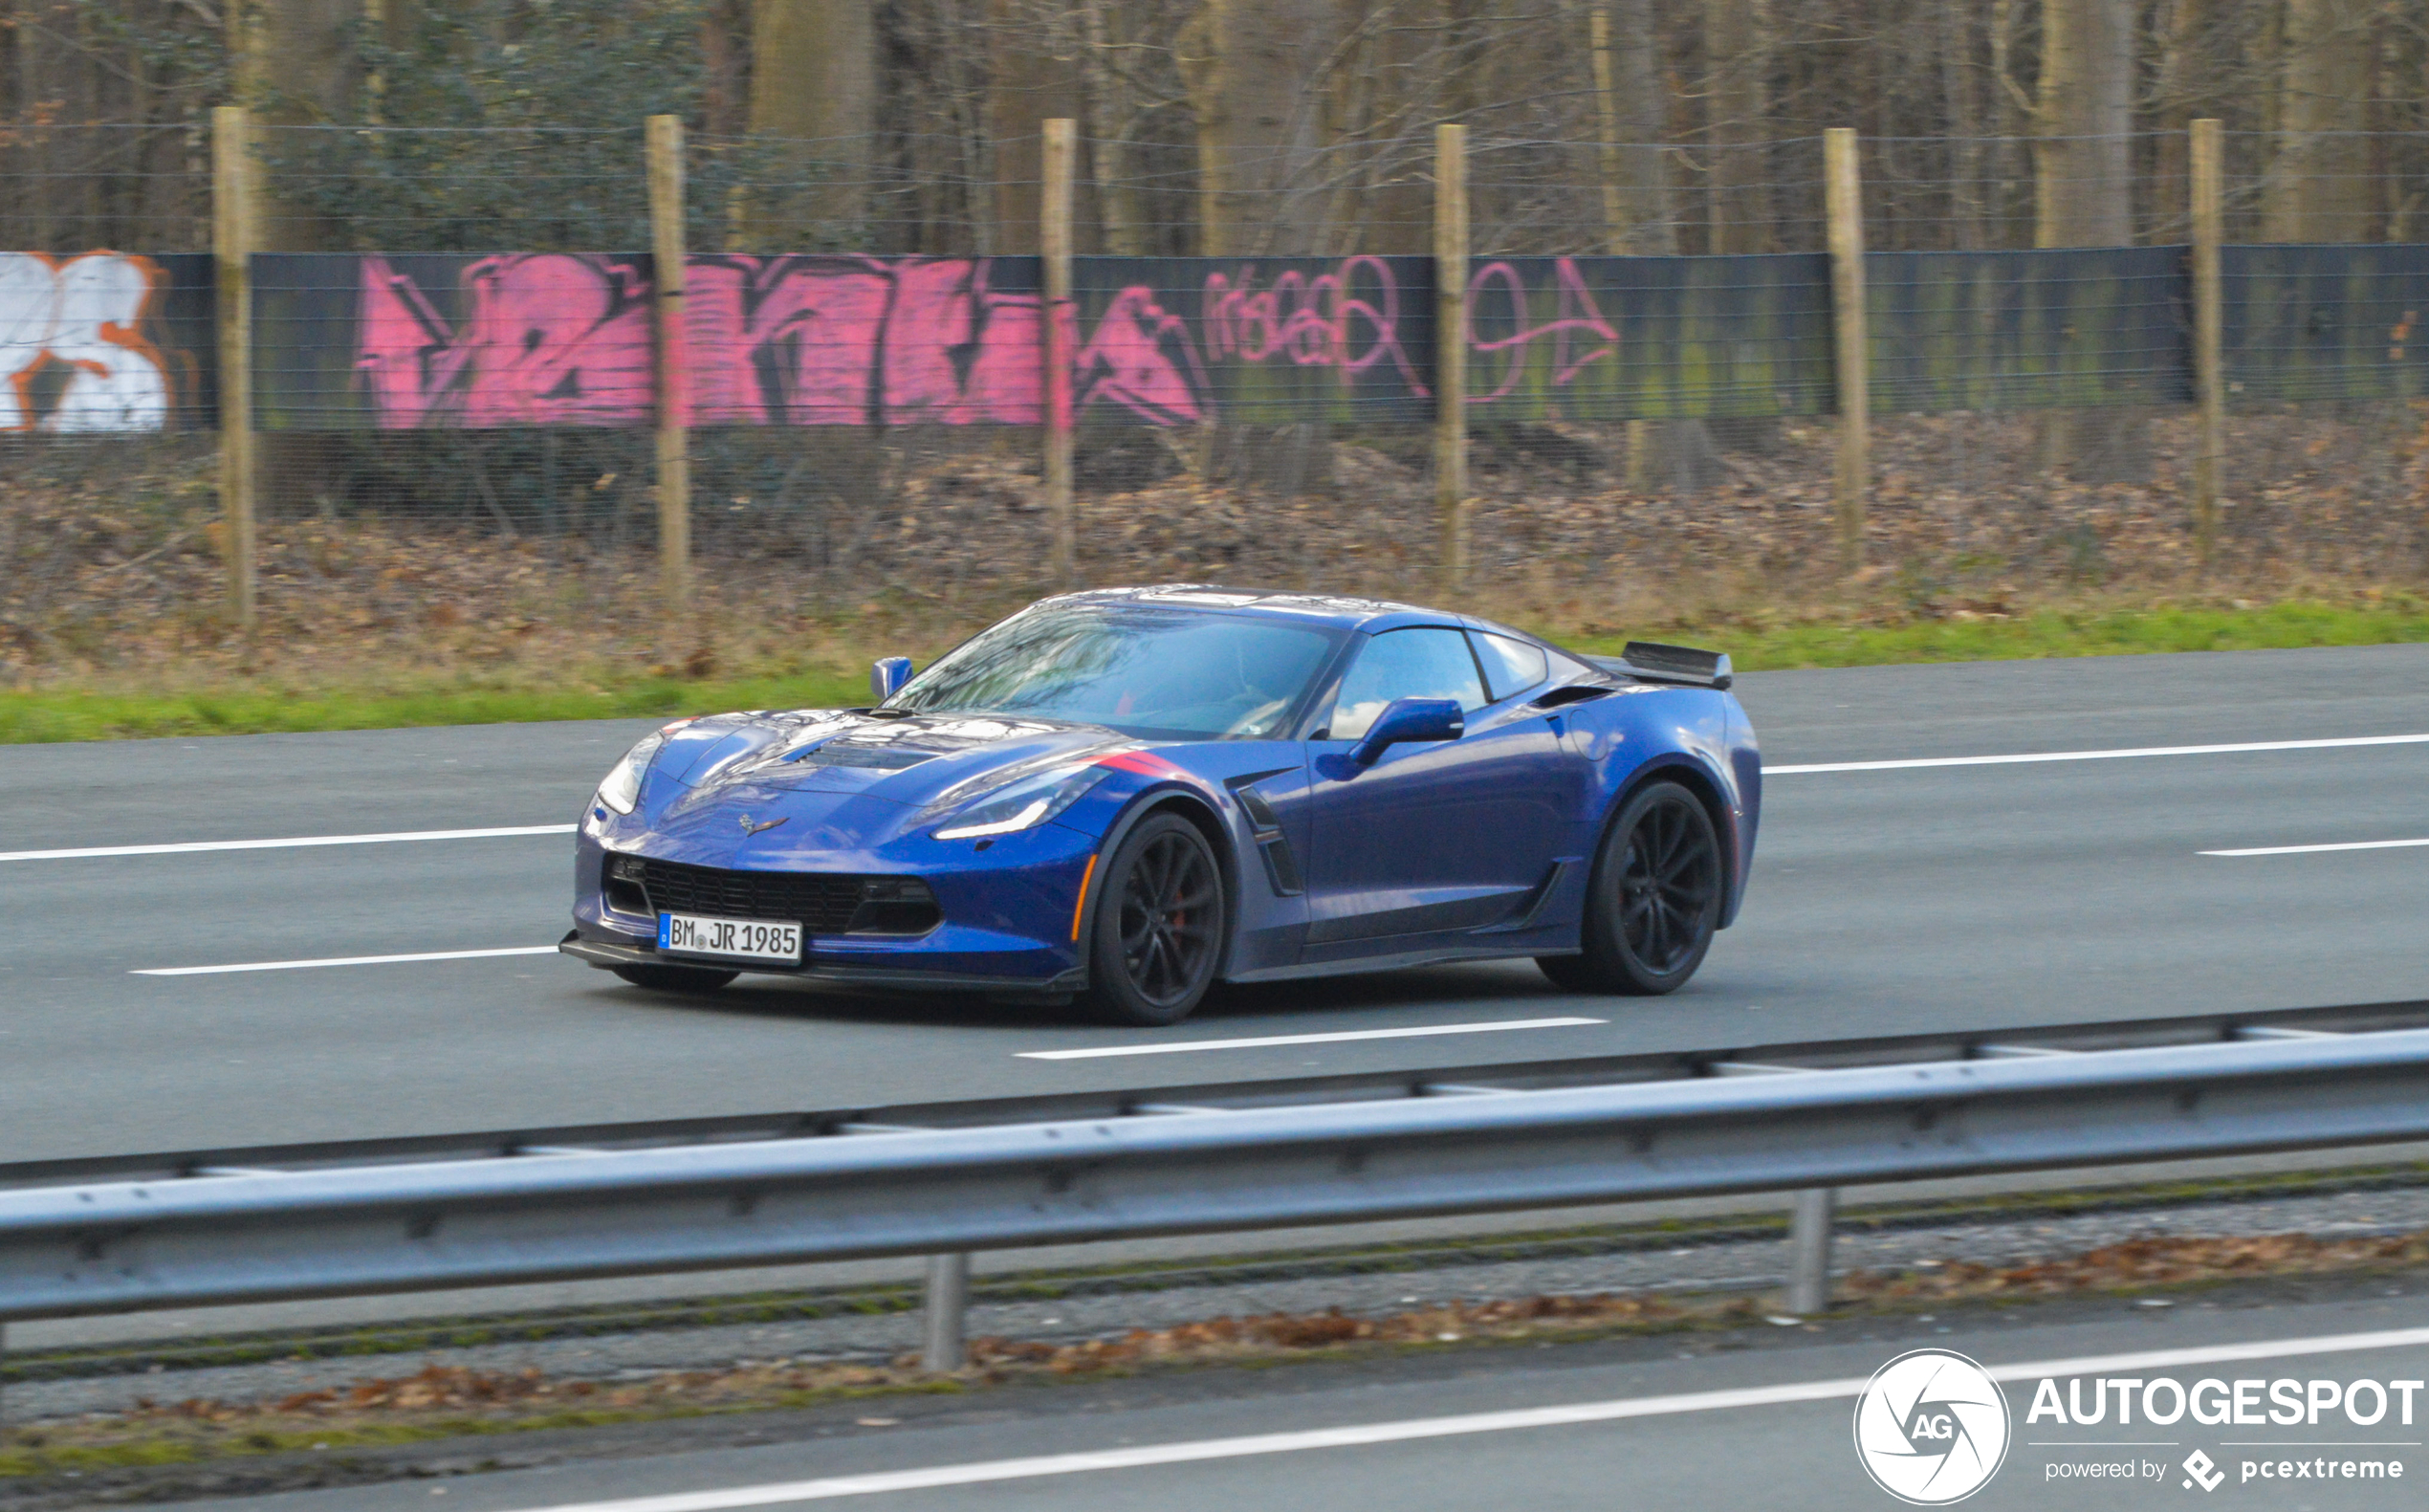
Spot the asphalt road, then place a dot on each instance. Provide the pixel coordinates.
(1671, 1421)
(1883, 901)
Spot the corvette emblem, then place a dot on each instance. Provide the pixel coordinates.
(751, 828)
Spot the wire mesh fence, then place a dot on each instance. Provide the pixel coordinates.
(455, 372)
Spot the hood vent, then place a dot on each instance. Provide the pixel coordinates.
(883, 759)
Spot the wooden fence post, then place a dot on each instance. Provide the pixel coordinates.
(233, 233)
(1843, 198)
(664, 149)
(1451, 350)
(1057, 318)
(2209, 377)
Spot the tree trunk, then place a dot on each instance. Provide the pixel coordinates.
(725, 57)
(1250, 66)
(1109, 118)
(296, 65)
(2083, 191)
(1033, 78)
(814, 81)
(1736, 55)
(2318, 185)
(1676, 454)
(1735, 60)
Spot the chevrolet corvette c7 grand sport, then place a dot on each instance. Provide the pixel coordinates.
(1123, 795)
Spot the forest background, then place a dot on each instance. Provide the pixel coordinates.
(500, 576)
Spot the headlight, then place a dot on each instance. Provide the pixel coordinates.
(623, 788)
(1024, 804)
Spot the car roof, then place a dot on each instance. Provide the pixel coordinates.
(1341, 610)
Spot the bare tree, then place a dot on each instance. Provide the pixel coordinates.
(2318, 185)
(2084, 197)
(813, 80)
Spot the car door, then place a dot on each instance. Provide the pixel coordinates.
(1438, 837)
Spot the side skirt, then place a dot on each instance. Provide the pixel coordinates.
(1432, 955)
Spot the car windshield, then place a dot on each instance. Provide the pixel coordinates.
(1155, 672)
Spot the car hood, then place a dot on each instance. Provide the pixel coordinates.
(920, 761)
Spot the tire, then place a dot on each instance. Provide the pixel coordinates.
(1160, 926)
(675, 978)
(1652, 902)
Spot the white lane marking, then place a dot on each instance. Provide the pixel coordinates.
(342, 960)
(2338, 744)
(186, 847)
(2307, 850)
(1303, 1038)
(1041, 1465)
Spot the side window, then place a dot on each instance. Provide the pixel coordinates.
(1405, 664)
(1510, 666)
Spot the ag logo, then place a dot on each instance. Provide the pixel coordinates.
(1931, 1427)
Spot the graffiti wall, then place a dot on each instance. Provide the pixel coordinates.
(108, 342)
(830, 340)
(104, 341)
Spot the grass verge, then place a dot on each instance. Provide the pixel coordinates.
(1965, 637)
(378, 699)
(50, 715)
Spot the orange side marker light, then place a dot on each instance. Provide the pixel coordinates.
(1082, 905)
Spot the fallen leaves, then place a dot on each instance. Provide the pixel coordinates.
(442, 1401)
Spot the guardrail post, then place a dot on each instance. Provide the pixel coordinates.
(1809, 1251)
(947, 1299)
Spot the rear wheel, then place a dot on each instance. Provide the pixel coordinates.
(675, 978)
(1160, 924)
(1652, 902)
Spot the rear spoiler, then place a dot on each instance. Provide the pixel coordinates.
(1653, 663)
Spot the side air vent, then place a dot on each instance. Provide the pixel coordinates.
(1272, 847)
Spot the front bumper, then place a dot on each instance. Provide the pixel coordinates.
(607, 954)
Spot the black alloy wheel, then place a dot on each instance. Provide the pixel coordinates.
(1653, 900)
(675, 978)
(1160, 922)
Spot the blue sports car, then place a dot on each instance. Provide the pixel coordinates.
(1125, 796)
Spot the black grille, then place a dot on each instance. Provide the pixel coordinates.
(824, 902)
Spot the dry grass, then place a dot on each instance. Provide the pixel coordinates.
(111, 582)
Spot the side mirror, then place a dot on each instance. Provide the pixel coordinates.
(1405, 719)
(886, 676)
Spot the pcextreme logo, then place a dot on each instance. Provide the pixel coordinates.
(1931, 1427)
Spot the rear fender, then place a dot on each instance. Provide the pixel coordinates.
(1711, 790)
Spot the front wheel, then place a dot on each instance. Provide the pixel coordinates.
(1159, 926)
(1652, 902)
(675, 978)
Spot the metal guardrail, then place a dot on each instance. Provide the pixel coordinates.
(1665, 1066)
(220, 1236)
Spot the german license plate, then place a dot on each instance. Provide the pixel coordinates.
(736, 940)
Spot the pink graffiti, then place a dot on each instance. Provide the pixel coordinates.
(1321, 321)
(842, 340)
(1141, 359)
(552, 339)
(859, 340)
(1576, 321)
